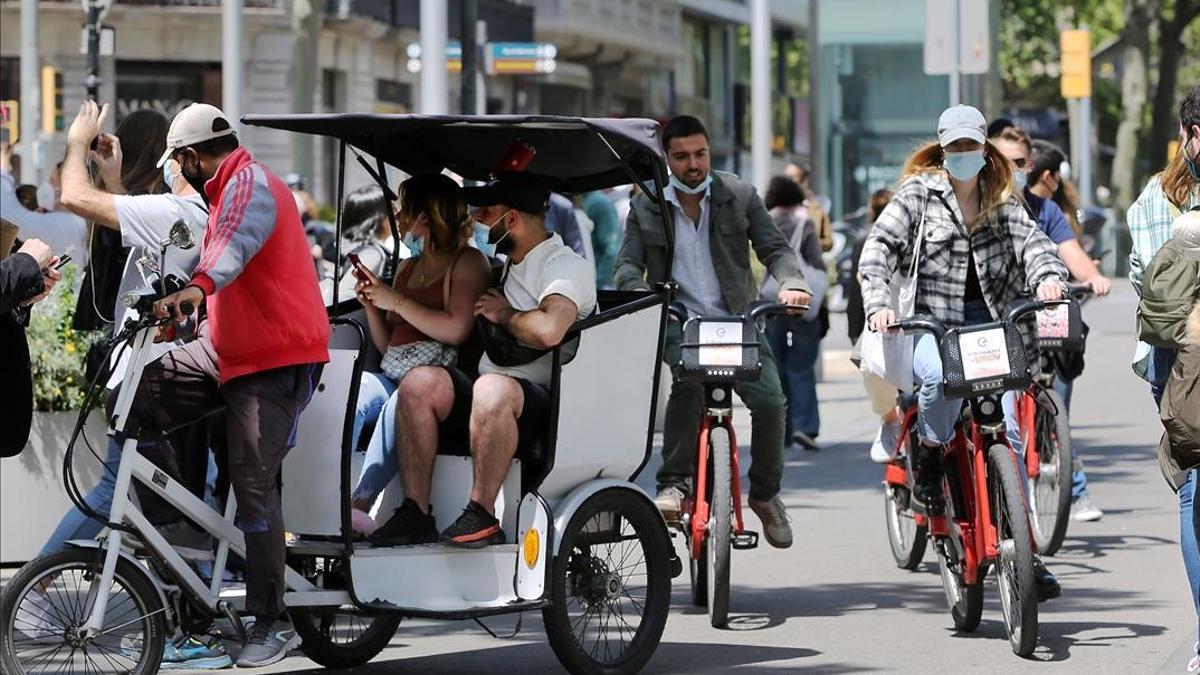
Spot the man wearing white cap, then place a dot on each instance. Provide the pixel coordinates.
(259, 352)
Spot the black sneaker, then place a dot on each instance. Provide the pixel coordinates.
(406, 527)
(927, 486)
(475, 528)
(805, 441)
(1045, 581)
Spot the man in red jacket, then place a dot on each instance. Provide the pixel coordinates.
(259, 352)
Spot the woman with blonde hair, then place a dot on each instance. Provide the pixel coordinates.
(978, 252)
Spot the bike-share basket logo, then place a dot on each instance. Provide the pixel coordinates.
(722, 343)
(984, 354)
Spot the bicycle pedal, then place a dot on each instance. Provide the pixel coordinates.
(744, 540)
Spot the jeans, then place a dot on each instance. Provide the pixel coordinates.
(1161, 361)
(76, 525)
(382, 463)
(936, 414)
(373, 391)
(681, 428)
(1189, 535)
(795, 343)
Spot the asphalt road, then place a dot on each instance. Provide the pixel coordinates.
(836, 603)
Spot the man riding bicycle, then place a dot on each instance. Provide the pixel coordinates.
(716, 219)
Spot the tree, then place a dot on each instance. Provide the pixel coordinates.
(1171, 50)
(1135, 55)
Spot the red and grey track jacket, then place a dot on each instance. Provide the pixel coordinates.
(257, 270)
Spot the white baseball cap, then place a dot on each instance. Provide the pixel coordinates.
(194, 124)
(961, 121)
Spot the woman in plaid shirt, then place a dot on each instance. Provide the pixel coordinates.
(981, 251)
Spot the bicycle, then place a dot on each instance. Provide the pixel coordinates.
(986, 522)
(718, 352)
(1045, 429)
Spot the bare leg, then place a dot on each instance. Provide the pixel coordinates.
(426, 397)
(498, 402)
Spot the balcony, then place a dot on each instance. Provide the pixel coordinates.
(214, 4)
(610, 32)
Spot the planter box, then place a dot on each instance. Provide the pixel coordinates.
(32, 496)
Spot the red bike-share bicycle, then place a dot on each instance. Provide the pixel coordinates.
(718, 352)
(986, 521)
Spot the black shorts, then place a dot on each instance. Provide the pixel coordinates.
(454, 431)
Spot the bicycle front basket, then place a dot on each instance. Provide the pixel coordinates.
(720, 350)
(1061, 327)
(984, 359)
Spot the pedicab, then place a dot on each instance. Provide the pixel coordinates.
(585, 545)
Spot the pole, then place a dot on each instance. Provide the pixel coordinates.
(470, 54)
(955, 74)
(306, 30)
(91, 78)
(231, 64)
(31, 95)
(481, 39)
(1084, 160)
(760, 93)
(434, 93)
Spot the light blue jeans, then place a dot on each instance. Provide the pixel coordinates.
(373, 391)
(1189, 536)
(382, 463)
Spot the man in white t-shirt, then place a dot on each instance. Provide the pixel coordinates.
(546, 287)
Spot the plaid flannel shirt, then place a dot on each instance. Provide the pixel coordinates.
(1011, 254)
(1149, 219)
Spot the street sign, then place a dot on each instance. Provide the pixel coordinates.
(519, 58)
(10, 120)
(957, 38)
(1076, 81)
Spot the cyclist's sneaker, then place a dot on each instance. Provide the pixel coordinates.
(806, 441)
(1084, 509)
(669, 502)
(268, 642)
(1193, 666)
(36, 619)
(184, 653)
(927, 486)
(1045, 581)
(475, 528)
(885, 443)
(776, 524)
(406, 527)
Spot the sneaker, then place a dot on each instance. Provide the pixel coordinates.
(776, 523)
(669, 502)
(1083, 509)
(35, 619)
(1045, 582)
(886, 440)
(192, 654)
(805, 441)
(475, 528)
(268, 642)
(1193, 666)
(407, 526)
(927, 486)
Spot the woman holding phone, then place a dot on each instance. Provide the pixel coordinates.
(428, 312)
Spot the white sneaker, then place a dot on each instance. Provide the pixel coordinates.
(1193, 666)
(1084, 510)
(669, 502)
(885, 443)
(35, 619)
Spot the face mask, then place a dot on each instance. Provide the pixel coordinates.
(680, 186)
(1193, 164)
(196, 180)
(501, 243)
(1021, 178)
(169, 175)
(415, 245)
(481, 240)
(964, 166)
(45, 196)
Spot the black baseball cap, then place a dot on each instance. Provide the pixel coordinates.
(519, 191)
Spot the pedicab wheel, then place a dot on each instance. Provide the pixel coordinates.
(720, 529)
(611, 585)
(1050, 492)
(342, 637)
(50, 599)
(1014, 555)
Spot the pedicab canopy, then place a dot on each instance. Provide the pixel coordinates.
(571, 154)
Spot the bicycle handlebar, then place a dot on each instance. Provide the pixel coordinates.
(1080, 291)
(1015, 313)
(757, 310)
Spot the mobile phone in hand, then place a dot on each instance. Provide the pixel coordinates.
(360, 270)
(66, 258)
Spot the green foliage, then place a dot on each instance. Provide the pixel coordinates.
(327, 213)
(1028, 35)
(56, 350)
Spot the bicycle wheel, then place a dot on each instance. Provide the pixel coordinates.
(342, 637)
(49, 599)
(1050, 492)
(720, 529)
(1014, 559)
(698, 569)
(964, 600)
(907, 538)
(610, 588)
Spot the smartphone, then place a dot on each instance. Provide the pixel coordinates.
(66, 258)
(360, 270)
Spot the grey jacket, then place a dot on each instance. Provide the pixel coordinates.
(738, 219)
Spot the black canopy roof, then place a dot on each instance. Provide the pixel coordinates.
(573, 153)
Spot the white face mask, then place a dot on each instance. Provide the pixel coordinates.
(680, 186)
(45, 196)
(1021, 178)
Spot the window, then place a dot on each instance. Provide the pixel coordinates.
(167, 87)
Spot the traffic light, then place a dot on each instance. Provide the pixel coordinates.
(10, 121)
(52, 100)
(1076, 49)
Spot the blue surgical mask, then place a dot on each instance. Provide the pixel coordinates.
(1021, 178)
(481, 240)
(1193, 163)
(680, 186)
(414, 244)
(169, 176)
(964, 166)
